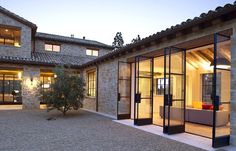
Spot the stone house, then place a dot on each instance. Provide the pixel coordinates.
(181, 78)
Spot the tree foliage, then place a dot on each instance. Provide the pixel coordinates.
(67, 92)
(136, 39)
(118, 40)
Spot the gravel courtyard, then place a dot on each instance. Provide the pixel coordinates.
(31, 131)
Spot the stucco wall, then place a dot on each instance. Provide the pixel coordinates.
(25, 49)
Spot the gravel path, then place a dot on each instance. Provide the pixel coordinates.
(78, 131)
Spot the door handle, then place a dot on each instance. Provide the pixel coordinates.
(118, 97)
(170, 100)
(138, 98)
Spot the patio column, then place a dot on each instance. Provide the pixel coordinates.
(30, 87)
(233, 90)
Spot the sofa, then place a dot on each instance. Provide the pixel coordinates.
(199, 116)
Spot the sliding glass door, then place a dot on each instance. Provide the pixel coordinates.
(124, 90)
(143, 90)
(174, 90)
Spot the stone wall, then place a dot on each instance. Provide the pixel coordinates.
(233, 90)
(25, 48)
(30, 86)
(70, 49)
(88, 102)
(107, 87)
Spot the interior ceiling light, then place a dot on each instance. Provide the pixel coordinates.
(221, 63)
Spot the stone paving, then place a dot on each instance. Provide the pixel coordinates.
(24, 130)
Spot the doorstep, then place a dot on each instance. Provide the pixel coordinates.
(190, 139)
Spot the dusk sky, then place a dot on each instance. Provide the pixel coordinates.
(101, 19)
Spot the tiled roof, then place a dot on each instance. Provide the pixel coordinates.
(204, 17)
(85, 42)
(18, 18)
(50, 59)
(58, 59)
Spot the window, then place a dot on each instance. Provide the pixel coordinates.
(160, 86)
(207, 82)
(91, 52)
(10, 36)
(52, 47)
(46, 80)
(91, 83)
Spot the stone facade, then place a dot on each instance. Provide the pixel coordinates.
(107, 87)
(26, 41)
(89, 102)
(70, 49)
(30, 86)
(233, 90)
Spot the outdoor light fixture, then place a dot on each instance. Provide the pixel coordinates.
(55, 76)
(31, 80)
(221, 63)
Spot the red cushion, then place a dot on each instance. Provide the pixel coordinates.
(207, 106)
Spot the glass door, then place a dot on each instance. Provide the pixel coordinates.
(221, 91)
(174, 90)
(124, 90)
(143, 90)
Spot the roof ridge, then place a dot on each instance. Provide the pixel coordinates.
(70, 39)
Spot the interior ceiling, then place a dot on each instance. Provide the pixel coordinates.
(204, 55)
(200, 57)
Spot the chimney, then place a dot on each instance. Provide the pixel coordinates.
(84, 37)
(72, 36)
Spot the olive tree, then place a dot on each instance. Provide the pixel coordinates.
(67, 92)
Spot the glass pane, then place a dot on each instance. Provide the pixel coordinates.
(145, 87)
(124, 88)
(48, 47)
(124, 105)
(95, 52)
(8, 88)
(88, 52)
(124, 70)
(177, 63)
(56, 48)
(145, 68)
(145, 109)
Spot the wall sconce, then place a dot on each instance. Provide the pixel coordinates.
(55, 76)
(31, 80)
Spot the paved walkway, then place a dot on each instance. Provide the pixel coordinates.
(31, 131)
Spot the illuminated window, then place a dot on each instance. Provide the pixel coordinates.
(46, 80)
(52, 47)
(10, 36)
(91, 83)
(90, 52)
